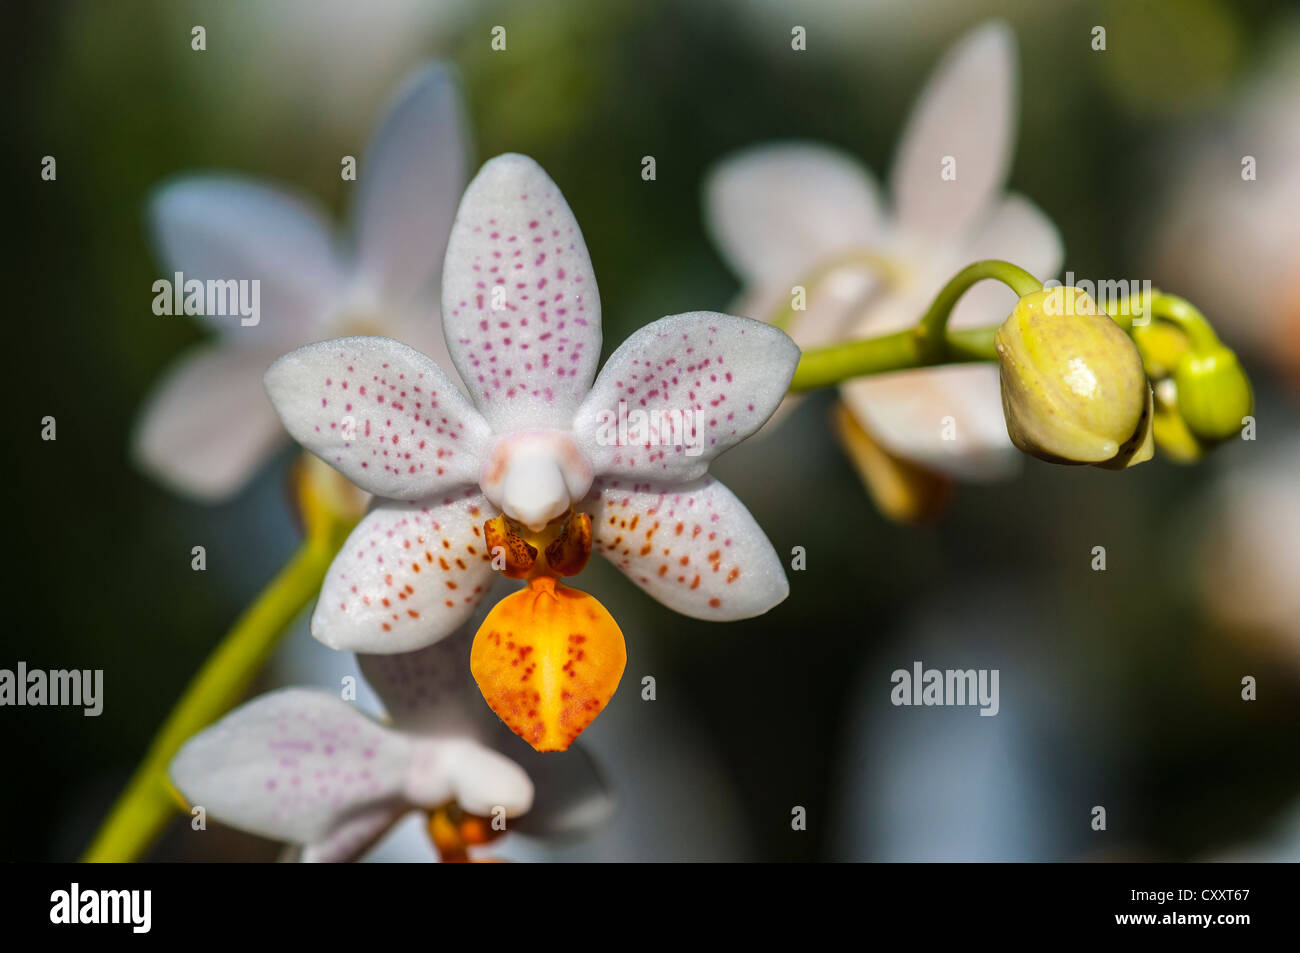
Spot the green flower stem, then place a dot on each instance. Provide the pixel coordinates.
(934, 323)
(1182, 315)
(143, 809)
(900, 351)
(928, 344)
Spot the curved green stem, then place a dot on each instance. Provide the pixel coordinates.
(145, 806)
(927, 344)
(934, 323)
(1184, 316)
(900, 351)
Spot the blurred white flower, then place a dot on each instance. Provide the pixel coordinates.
(1251, 548)
(308, 768)
(779, 212)
(1230, 230)
(207, 426)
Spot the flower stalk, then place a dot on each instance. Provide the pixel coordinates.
(928, 344)
(148, 802)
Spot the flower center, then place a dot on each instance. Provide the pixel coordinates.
(535, 475)
(454, 831)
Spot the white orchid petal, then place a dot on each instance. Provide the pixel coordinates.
(519, 299)
(207, 425)
(1018, 231)
(294, 765)
(967, 114)
(229, 228)
(776, 211)
(701, 381)
(693, 547)
(353, 838)
(946, 418)
(830, 309)
(484, 781)
(411, 177)
(382, 414)
(408, 575)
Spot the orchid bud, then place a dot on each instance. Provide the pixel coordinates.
(1141, 447)
(1162, 346)
(1213, 393)
(1073, 386)
(1175, 440)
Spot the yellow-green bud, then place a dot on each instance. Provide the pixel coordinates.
(1073, 386)
(1162, 346)
(1141, 447)
(1172, 435)
(1213, 393)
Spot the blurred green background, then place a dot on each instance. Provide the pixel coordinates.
(1129, 695)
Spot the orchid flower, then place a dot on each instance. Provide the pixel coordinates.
(206, 427)
(305, 767)
(782, 213)
(540, 467)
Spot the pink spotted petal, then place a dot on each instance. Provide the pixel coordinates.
(353, 838)
(294, 765)
(382, 414)
(695, 548)
(409, 575)
(520, 306)
(680, 391)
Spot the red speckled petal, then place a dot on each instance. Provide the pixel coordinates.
(693, 547)
(680, 391)
(382, 414)
(293, 765)
(519, 301)
(409, 574)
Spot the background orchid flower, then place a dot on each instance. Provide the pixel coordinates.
(521, 315)
(780, 213)
(206, 427)
(303, 766)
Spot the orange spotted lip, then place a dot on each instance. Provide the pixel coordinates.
(548, 659)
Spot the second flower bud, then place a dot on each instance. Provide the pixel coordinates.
(1073, 387)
